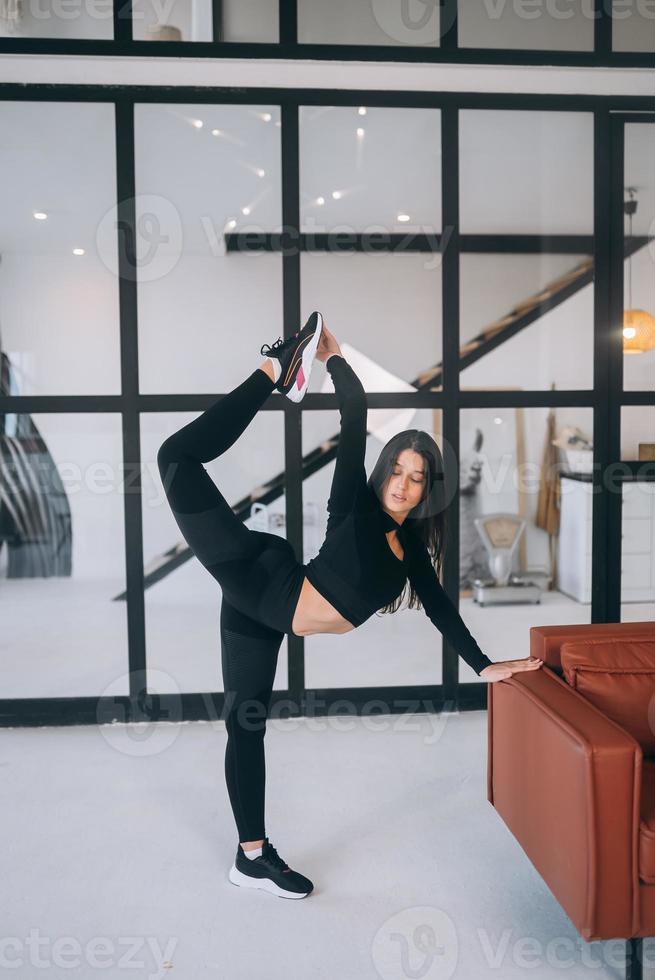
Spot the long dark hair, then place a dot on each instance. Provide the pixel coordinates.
(427, 520)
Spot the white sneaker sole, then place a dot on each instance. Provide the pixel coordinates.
(238, 878)
(309, 353)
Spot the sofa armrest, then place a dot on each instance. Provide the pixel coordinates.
(567, 782)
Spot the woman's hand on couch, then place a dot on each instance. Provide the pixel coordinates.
(505, 668)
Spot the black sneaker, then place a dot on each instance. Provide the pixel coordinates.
(270, 872)
(296, 356)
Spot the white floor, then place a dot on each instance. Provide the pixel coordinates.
(117, 843)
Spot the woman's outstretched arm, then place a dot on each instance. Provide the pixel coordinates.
(349, 479)
(445, 616)
(442, 611)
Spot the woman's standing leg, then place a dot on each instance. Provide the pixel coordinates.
(249, 653)
(209, 525)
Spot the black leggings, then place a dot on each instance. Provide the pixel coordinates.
(260, 579)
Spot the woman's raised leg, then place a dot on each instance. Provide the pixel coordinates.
(209, 525)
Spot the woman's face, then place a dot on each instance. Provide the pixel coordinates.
(405, 486)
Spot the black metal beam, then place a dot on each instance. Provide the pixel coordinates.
(384, 98)
(450, 317)
(292, 416)
(446, 54)
(288, 23)
(129, 355)
(414, 241)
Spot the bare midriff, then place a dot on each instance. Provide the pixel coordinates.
(314, 614)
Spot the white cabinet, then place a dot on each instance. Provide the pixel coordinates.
(637, 538)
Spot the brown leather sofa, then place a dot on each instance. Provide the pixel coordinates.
(571, 771)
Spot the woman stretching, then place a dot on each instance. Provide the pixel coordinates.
(382, 533)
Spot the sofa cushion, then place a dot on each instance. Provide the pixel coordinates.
(647, 824)
(618, 676)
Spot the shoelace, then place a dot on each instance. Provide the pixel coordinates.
(275, 859)
(271, 347)
(277, 344)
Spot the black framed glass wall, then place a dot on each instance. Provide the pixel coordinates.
(222, 181)
(526, 300)
(582, 32)
(62, 528)
(408, 260)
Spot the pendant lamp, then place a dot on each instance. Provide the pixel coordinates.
(638, 325)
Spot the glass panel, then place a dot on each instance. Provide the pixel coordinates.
(183, 604)
(377, 22)
(62, 556)
(257, 20)
(638, 282)
(633, 26)
(638, 432)
(191, 20)
(179, 20)
(384, 181)
(367, 302)
(556, 27)
(193, 294)
(370, 169)
(91, 19)
(638, 551)
(504, 455)
(526, 174)
(59, 319)
(390, 649)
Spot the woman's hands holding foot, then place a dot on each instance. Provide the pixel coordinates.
(327, 345)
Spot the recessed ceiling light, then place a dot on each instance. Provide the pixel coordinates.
(498, 420)
(40, 215)
(78, 251)
(336, 195)
(320, 200)
(216, 132)
(362, 110)
(231, 223)
(403, 217)
(266, 116)
(360, 131)
(198, 123)
(260, 172)
(245, 210)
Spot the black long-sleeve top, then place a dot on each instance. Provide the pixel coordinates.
(356, 569)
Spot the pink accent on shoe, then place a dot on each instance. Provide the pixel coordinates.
(300, 378)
